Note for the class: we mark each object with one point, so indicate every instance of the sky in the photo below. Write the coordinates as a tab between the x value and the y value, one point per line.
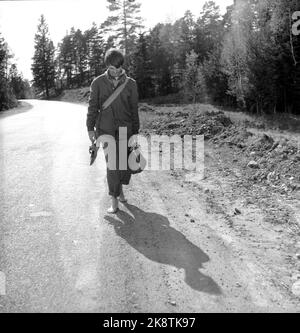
19	20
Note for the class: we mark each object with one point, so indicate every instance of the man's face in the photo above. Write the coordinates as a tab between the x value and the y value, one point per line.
115	72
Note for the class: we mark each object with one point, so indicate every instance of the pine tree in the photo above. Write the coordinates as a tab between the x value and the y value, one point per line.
81	57
142	69
235	51
261	58
193	81
95	50
125	22
16	82
187	35
160	61
109	43
208	30
3	55
7	99
20	87
65	63
216	80
43	67
288	56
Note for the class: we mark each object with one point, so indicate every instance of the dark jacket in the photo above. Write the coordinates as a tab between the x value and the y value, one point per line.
123	112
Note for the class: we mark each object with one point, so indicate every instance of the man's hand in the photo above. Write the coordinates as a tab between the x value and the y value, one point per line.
92	136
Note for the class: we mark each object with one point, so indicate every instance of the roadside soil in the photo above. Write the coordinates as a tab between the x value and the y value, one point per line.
249	199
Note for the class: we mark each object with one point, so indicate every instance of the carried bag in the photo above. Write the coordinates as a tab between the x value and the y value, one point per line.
136	159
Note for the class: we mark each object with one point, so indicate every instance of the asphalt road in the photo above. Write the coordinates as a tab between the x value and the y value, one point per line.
61	252
50	239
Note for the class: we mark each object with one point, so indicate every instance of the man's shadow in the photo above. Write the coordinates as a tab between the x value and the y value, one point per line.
152	236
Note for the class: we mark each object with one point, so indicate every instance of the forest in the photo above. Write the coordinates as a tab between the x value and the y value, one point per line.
12	84
248	58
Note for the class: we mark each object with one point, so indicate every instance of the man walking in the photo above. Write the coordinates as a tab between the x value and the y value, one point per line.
121	113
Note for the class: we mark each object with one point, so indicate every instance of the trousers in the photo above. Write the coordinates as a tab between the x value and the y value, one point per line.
118	176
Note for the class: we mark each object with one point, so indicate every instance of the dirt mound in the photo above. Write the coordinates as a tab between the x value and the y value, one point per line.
233	136
144	107
276	163
208	124
279	164
262	158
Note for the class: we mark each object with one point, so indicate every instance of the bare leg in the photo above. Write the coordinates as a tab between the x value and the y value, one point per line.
122	196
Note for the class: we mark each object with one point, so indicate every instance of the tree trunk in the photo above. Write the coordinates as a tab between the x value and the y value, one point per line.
46	87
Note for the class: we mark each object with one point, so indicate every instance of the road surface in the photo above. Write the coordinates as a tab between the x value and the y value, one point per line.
61	252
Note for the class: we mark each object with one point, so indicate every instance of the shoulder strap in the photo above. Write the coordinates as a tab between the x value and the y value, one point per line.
115	94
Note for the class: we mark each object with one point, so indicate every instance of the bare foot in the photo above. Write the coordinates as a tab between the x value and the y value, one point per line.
114	206
111	210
